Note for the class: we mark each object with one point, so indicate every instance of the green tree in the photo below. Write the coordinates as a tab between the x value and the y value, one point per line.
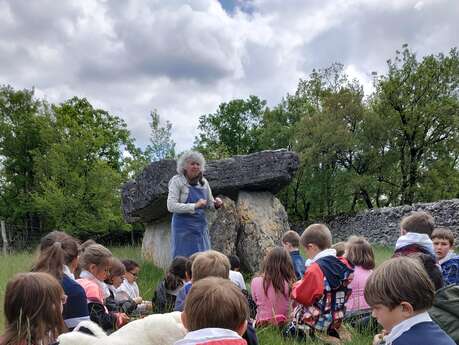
419	100
161	144
80	174
232	130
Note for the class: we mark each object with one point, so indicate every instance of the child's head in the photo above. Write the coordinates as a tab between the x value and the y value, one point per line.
315	238
360	253
431	268
117	272
210	264
177	273
277	268
443	241
132	270
96	259
397	290
340	248
417	221
235	263
33	309
225	306
56	250
291	240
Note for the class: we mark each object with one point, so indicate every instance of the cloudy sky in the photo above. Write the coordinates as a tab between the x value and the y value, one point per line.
183	58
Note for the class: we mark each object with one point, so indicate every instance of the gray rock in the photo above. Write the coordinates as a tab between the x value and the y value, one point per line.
263	221
223	227
382	225
156	242
145	198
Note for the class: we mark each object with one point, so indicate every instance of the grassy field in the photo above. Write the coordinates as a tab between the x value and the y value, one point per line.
148	279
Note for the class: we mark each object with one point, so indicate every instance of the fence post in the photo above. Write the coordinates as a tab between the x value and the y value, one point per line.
4	238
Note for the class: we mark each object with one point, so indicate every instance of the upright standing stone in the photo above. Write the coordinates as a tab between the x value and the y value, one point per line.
263	221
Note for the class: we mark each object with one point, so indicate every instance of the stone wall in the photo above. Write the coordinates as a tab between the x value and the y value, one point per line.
381	225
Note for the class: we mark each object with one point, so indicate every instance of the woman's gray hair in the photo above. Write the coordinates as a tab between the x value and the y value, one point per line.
190	156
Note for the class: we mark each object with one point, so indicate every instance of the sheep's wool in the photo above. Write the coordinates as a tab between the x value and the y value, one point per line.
156	329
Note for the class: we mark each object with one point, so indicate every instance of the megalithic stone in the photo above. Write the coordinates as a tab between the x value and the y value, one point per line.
144	199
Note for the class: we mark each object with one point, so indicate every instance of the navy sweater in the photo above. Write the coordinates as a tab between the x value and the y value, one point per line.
424	333
76	308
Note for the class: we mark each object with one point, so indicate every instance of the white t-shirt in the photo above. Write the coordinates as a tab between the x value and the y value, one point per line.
238	279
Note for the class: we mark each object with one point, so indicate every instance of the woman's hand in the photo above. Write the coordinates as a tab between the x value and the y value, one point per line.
201	203
218	202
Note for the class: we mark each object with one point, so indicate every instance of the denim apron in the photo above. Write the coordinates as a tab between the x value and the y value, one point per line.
189	231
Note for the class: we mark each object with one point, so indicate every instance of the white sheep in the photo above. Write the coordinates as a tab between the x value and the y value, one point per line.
156	329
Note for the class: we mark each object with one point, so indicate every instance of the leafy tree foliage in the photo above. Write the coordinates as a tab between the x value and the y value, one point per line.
161	144
232	130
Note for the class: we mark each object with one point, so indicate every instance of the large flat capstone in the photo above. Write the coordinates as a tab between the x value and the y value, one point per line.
144	199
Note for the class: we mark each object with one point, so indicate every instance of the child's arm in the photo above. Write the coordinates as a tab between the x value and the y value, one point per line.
310	288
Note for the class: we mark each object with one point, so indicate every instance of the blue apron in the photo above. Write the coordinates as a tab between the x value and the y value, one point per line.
189	231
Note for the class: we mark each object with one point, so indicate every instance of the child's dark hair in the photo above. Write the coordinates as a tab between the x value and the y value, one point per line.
176	273
277	268
431	268
117	269
130	265
418	221
235	263
56	250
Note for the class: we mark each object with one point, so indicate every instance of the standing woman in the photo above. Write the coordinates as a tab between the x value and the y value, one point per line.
189	195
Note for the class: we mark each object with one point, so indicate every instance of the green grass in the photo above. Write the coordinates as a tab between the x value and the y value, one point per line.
149	278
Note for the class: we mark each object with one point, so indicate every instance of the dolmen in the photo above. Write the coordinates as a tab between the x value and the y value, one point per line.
251	221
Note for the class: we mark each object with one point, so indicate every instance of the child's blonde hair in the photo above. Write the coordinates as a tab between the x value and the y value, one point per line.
95	254
210	264
215	302
291	237
32	309
397	280
340	248
317	234
360	253
418	221
443	234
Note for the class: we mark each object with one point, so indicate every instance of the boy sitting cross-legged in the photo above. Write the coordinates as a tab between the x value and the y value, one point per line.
323	291
215	313
443	242
400	292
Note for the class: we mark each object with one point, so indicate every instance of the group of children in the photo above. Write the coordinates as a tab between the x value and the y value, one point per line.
305	298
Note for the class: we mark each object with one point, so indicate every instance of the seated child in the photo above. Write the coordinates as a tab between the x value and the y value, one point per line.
323	291
359	254
95	262
33	309
211	263
183	291
415	231
221	320
400	292
237	278
443	242
271	289
291	242
235	275
113	282
340	248
129	288
167	290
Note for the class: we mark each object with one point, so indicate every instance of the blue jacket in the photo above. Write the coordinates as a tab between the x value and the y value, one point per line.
298	263
425	333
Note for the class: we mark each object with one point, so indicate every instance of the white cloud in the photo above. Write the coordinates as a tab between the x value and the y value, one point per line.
183	58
